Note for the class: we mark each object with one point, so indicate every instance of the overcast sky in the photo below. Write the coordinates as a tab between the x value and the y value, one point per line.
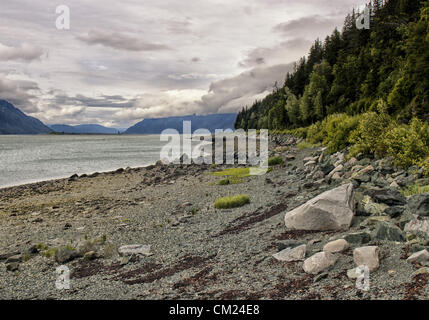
122	61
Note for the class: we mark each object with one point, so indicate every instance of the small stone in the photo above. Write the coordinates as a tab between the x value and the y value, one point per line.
13	266
337	169
419	257
327	168
33	250
318	175
15	258
336	176
339	245
291	254
394	184
289	244
353	274
366	170
358	237
419	225
124	260
319	262
85	246
67	226
356	168
135	249
423	270
389	232
351	162
362	178
64	255
91	255
394	211
389	196
320	277
391	272
310	163
419	204
367	256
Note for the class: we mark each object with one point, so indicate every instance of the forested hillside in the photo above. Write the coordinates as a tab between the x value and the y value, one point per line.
353	71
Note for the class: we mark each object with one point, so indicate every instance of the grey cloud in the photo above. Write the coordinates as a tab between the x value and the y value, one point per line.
229	94
105	101
19	93
24	52
303	25
285	52
119	41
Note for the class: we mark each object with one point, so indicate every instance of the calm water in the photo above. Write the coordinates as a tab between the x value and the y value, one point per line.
25	159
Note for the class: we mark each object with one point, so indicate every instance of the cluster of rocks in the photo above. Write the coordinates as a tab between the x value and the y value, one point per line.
368	196
86	250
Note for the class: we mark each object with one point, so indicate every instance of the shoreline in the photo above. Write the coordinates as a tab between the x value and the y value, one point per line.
58	179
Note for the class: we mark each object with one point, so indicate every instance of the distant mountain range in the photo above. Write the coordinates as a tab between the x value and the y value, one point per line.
83	128
210	122
14	121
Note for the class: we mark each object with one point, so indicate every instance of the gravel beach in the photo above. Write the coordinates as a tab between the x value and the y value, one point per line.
200	252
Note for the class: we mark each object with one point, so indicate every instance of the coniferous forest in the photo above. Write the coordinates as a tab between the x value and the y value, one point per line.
356	77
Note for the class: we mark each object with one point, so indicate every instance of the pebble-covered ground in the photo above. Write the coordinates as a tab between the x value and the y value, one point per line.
197	251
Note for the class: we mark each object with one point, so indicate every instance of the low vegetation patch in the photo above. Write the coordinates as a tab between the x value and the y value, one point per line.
415	189
232	175
273	161
233	172
228	181
305	145
373	132
232	202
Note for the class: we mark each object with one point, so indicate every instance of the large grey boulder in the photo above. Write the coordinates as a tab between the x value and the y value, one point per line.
331	210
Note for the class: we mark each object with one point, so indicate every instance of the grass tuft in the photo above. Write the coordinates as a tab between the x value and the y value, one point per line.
415	189
232	202
306	145
273	161
232	172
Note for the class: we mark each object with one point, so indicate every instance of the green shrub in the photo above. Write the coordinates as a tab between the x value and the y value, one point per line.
406	144
315	133
380	135
334	132
232	202
273	161
337	129
368	136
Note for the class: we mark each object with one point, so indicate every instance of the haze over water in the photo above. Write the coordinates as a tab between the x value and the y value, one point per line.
31	158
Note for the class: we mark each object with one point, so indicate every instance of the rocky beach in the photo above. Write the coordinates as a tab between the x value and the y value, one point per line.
155	233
